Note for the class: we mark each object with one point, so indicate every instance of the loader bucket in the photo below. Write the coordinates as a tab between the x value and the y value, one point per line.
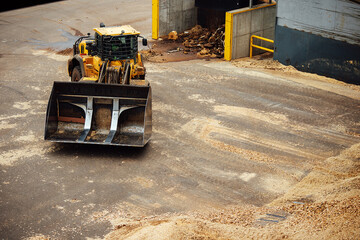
95	113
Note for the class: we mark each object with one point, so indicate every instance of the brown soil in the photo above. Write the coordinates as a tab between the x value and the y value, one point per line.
77	32
166	51
194	43
65	52
323	205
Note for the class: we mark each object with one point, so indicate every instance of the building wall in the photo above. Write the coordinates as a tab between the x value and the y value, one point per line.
173	15
320	36
240	24
335	19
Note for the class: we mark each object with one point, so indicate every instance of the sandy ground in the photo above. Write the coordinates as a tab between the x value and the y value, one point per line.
241	149
320	202
323	205
265	63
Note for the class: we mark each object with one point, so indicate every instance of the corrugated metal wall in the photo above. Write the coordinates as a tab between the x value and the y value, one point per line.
335	19
320	36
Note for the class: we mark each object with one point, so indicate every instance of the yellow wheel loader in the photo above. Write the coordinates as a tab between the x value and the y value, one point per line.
108	100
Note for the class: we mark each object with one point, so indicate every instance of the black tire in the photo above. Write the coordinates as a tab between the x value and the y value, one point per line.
76	74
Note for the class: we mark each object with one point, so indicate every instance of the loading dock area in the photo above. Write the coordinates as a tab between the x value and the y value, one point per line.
317	37
237	149
240	23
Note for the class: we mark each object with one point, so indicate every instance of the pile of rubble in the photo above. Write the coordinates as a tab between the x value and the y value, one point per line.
202	41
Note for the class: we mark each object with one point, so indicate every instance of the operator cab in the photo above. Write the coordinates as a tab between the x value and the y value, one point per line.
115	43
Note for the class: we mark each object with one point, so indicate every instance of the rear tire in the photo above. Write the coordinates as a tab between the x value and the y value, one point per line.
76	74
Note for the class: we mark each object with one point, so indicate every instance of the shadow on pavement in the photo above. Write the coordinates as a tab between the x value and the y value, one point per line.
99	151
11	5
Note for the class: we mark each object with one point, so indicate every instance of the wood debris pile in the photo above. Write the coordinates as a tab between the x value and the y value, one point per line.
204	42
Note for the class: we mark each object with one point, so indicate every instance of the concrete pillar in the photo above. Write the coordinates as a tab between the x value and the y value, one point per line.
173	15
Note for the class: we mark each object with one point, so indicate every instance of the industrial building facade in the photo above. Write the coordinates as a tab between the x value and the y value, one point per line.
319	36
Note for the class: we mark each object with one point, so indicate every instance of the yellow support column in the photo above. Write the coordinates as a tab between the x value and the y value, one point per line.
155	19
228	36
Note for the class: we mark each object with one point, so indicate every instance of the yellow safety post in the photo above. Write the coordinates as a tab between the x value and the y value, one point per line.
155	19
228	36
259	47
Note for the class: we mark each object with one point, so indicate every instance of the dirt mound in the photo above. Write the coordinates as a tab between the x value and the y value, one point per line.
323	205
197	42
166	51
65	52
262	61
204	42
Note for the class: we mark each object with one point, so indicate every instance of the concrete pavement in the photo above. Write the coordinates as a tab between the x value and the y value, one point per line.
222	135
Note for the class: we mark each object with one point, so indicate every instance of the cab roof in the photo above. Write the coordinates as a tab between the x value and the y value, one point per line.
117	30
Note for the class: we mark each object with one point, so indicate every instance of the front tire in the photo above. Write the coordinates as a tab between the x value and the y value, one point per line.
76	74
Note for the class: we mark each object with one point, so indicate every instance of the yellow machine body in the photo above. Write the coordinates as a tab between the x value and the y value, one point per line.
108	100
92	63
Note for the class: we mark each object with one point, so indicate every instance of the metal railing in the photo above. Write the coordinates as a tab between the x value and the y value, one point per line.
259	47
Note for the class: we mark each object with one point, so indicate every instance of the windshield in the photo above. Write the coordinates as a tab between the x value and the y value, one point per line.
118	47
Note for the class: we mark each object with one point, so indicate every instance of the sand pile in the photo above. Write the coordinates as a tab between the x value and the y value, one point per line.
323	205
